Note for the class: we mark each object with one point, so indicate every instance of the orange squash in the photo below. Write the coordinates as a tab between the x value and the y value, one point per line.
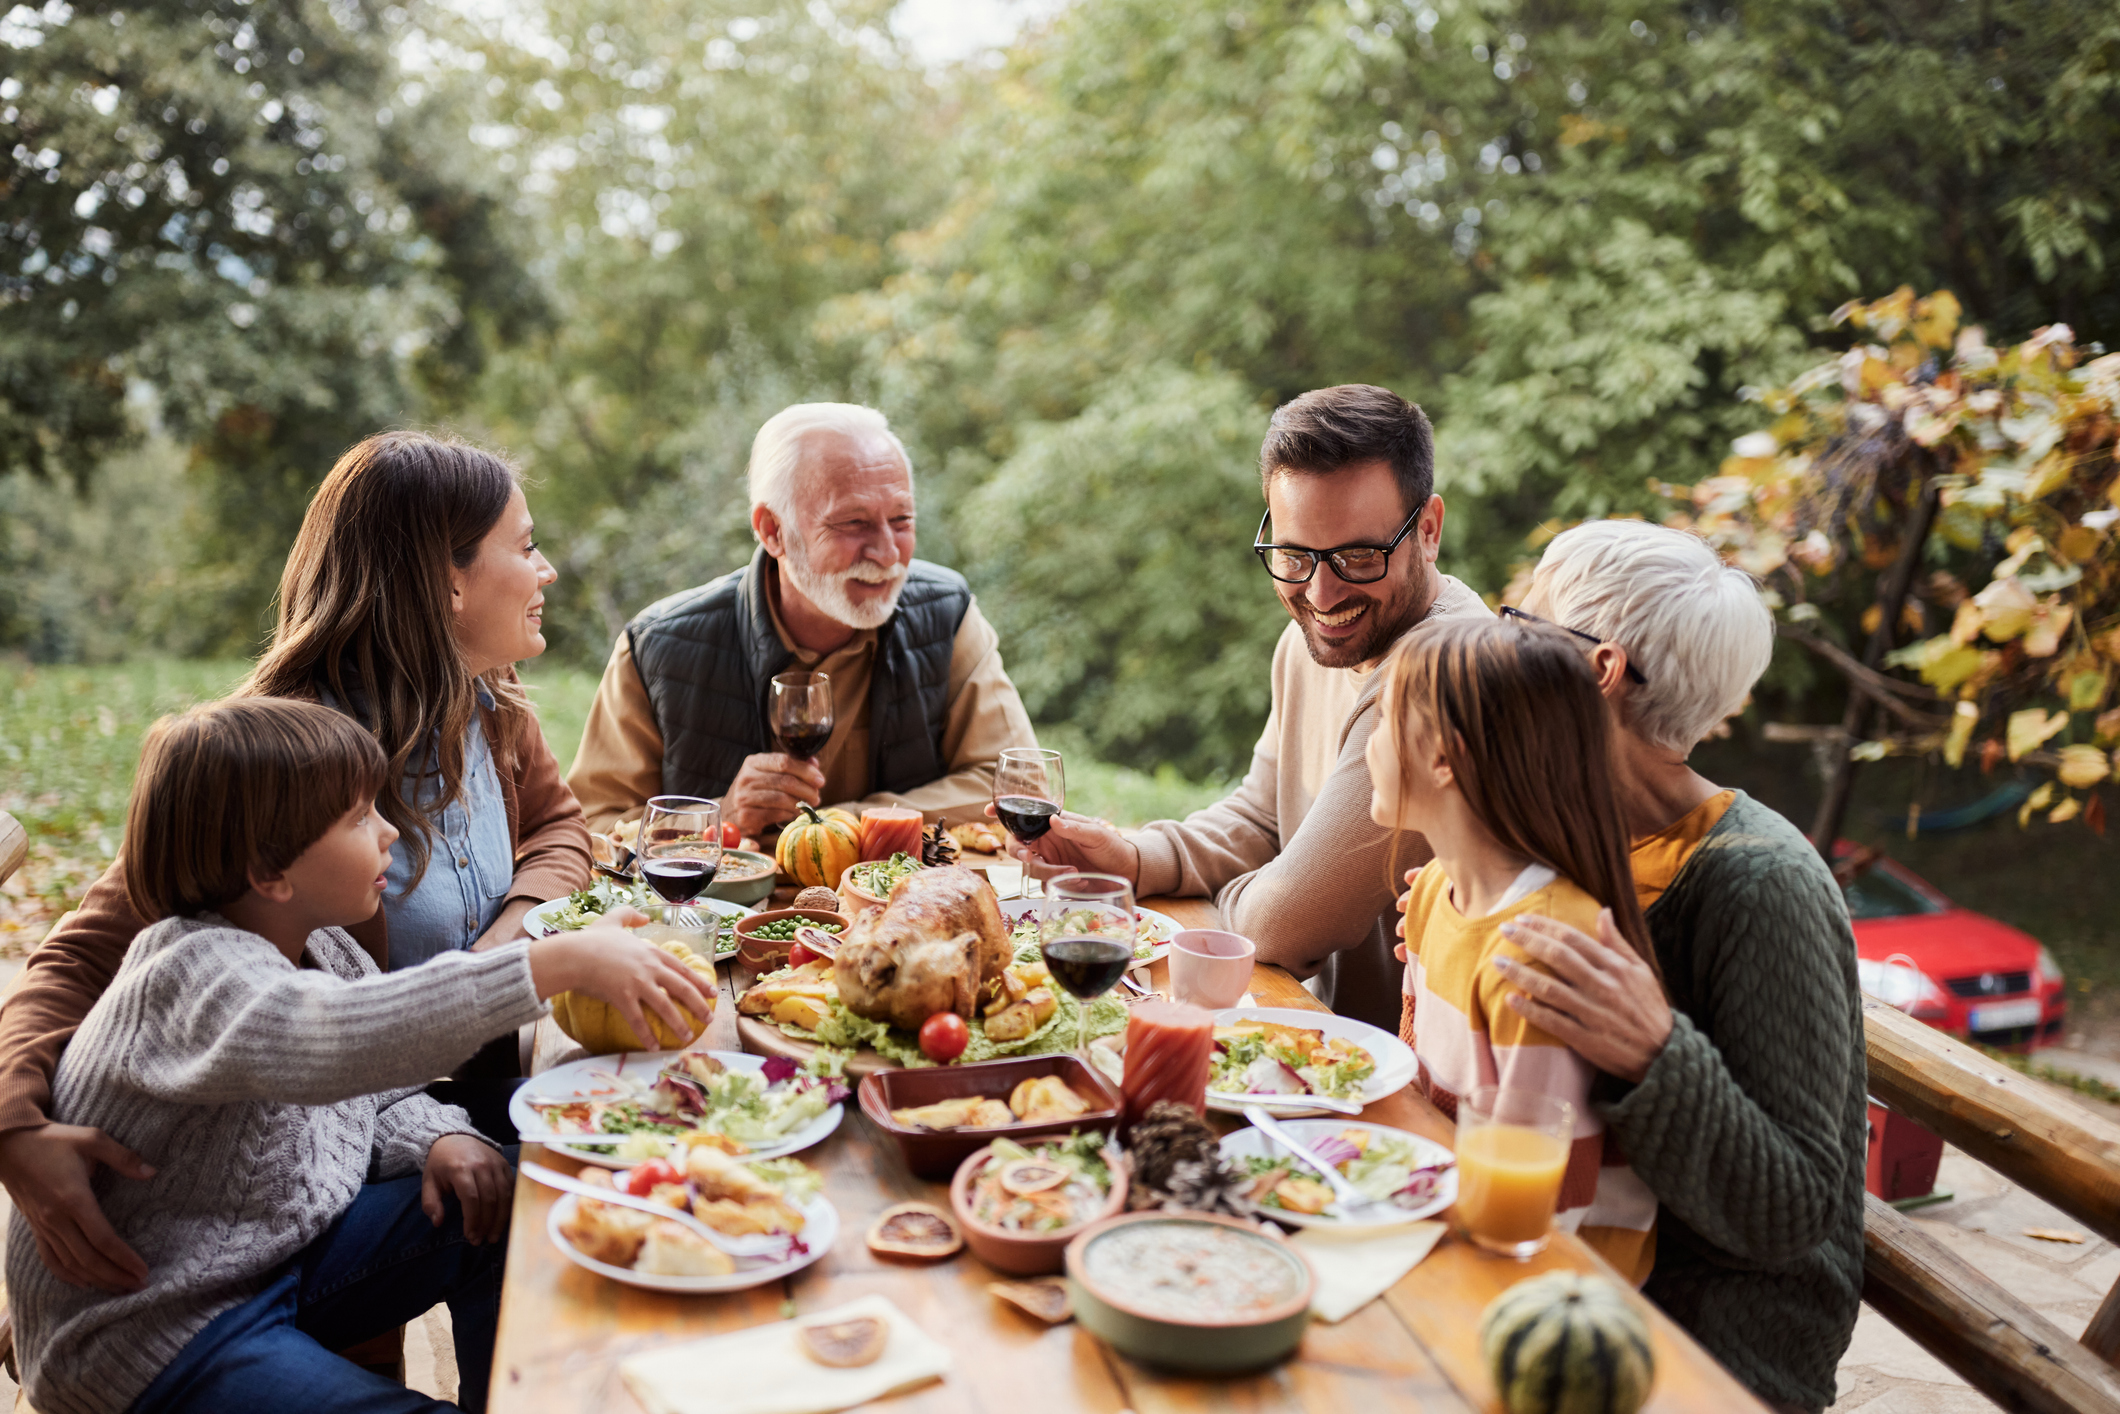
818	848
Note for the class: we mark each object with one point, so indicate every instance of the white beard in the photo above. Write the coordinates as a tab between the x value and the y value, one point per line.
830	594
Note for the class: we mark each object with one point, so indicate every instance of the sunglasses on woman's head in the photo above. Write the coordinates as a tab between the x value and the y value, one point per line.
1510	611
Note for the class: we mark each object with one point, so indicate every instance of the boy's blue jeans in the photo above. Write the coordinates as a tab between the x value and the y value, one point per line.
380	1265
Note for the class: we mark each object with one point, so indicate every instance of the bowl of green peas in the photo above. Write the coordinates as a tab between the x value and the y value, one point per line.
763	939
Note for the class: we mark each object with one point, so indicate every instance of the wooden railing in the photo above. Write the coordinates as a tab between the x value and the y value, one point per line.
2035	1137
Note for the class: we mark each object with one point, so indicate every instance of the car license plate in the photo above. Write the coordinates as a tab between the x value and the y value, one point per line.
2002	1016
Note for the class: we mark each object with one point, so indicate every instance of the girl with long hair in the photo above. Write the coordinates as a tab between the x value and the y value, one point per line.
412	590
1493	736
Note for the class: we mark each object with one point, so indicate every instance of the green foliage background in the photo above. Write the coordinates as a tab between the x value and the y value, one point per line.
613	238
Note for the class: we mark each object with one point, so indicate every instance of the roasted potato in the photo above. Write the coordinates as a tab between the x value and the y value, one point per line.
807	1012
1011	1023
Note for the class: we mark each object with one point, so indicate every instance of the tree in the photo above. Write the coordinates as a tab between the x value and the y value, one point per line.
1953	502
1114	547
1572	232
698	178
229	218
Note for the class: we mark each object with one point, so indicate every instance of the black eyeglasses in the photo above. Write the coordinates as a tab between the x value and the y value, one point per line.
1356	564
1510	611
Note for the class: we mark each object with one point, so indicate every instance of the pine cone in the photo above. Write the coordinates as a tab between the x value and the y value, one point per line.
937	848
1207	1188
1177	1161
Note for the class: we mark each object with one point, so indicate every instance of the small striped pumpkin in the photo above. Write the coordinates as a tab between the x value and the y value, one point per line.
1564	1343
818	848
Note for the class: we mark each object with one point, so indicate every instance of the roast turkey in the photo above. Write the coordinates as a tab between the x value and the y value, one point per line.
937	944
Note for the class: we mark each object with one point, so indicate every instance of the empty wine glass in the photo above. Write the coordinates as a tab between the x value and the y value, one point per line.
1086	933
1030	788
680	850
799	713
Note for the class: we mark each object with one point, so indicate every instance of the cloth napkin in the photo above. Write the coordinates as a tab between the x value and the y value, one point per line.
764	1370
1357	1265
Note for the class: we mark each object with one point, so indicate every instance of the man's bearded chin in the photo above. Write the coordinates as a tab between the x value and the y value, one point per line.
829	592
1386	619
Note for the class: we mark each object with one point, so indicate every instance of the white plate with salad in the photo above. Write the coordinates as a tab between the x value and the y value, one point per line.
650	1103
1276	1055
1152	930
1416	1176
820	1229
585	906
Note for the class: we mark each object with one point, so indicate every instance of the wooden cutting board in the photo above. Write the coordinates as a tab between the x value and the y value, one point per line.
761	1037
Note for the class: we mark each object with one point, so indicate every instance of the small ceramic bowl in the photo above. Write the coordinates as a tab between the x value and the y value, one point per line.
770	954
744	891
1020	1253
1209	967
1140	1324
855	900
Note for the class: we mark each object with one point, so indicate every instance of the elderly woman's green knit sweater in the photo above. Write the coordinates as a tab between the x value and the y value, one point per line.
1750	1125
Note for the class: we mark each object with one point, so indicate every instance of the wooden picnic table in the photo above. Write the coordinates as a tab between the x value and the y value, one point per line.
563	1330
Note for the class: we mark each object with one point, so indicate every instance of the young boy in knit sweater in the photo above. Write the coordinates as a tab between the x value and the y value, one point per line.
1493	735
250	1052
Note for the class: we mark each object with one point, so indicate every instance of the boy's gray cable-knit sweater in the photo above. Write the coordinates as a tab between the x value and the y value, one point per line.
258	1090
1751	1126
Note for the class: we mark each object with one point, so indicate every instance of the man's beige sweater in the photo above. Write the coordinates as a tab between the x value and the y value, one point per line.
1292	859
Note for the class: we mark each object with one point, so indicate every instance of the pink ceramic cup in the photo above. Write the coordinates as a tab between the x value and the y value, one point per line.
1209	968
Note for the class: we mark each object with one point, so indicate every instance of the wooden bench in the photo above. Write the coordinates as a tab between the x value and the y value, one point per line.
2033	1136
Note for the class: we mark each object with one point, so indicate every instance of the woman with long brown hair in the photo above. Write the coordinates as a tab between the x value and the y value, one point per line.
1494	737
413	589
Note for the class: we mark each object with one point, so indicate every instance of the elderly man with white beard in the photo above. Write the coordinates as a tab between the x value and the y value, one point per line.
922	707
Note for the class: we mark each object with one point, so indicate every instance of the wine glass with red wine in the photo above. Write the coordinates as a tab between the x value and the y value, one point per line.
799	713
1030	787
1086	933
680	850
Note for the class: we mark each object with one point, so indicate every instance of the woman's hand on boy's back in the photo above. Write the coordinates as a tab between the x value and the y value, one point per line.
47	1168
630	973
480	1178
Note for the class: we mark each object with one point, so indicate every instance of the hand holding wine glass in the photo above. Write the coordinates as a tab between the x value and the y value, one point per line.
1086	932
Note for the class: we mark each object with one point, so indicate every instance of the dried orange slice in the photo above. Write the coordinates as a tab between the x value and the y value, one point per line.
845	1344
1027	1176
915	1230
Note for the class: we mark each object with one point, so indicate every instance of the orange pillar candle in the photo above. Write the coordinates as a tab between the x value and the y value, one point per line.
889	830
1169	1049
1509	1180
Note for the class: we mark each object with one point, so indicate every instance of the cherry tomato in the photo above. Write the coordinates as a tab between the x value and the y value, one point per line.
645	1177
800	953
731	837
944	1036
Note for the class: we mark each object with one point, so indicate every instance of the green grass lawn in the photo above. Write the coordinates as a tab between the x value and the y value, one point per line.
70	738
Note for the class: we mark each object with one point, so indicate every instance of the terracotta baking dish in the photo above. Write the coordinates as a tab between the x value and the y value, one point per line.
934	1153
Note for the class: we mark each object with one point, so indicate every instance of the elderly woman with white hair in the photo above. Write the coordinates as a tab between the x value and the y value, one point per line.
922	707
1739	1097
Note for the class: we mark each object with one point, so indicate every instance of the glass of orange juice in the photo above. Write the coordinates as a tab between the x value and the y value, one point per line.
1512	1147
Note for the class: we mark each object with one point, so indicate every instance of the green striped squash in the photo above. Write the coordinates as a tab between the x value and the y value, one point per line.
1567	1344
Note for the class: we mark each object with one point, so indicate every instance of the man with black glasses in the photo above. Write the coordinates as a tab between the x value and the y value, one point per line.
1291	858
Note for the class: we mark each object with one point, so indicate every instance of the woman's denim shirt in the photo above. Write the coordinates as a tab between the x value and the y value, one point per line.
470	862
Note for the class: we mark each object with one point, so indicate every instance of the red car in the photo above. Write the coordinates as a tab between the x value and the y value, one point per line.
1958	970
